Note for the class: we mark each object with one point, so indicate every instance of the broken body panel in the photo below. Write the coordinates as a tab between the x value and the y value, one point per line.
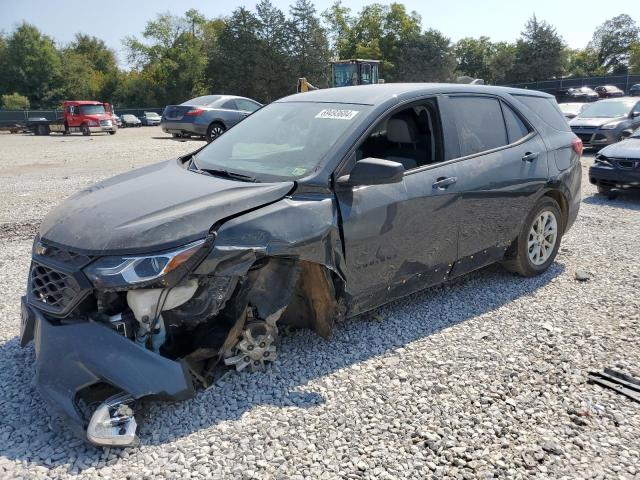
215	266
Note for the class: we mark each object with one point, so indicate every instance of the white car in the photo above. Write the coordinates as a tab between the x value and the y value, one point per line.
572	110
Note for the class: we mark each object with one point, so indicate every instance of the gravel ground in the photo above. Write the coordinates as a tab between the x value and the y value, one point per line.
484	377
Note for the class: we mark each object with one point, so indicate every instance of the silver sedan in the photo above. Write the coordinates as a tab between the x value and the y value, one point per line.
208	116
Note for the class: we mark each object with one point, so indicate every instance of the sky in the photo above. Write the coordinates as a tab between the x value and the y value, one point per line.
500	20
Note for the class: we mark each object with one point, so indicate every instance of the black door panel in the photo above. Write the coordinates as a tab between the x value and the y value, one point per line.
398	238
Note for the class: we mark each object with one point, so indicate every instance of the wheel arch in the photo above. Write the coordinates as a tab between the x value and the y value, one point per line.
562	202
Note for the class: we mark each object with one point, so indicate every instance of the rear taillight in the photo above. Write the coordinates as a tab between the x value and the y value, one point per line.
576	144
194	112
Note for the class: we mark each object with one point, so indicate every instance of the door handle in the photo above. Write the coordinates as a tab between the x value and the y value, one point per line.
530	156
444	182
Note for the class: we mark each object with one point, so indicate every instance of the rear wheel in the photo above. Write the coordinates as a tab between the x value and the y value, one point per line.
85	130
538	243
214	131
112	132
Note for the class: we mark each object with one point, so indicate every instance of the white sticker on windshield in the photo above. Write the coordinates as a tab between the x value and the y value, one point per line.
337	114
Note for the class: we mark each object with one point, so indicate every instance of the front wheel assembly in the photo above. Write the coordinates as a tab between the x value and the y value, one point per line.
256	347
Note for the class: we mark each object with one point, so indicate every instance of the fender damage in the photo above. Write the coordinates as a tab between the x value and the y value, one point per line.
274	266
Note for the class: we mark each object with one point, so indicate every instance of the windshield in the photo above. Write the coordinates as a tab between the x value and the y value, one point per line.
202	101
151	115
129	117
569	107
608	109
282	140
92	109
345	74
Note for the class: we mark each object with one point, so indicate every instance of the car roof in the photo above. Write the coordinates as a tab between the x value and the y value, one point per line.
381	93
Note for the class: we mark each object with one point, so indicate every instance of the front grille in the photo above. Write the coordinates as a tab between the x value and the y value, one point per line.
626	164
585	137
105	123
52	290
65	256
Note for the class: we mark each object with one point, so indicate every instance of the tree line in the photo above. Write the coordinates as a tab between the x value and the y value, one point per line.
260	53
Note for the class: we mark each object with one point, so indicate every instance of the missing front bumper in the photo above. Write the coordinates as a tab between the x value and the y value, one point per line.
73	357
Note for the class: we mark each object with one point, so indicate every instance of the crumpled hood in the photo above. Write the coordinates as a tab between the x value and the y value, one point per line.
151	208
592	122
629	148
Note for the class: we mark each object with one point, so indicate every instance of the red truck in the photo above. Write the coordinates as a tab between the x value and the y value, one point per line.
81	116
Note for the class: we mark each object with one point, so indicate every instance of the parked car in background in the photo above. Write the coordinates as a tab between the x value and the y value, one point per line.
634	91
572	110
129	120
318	207
607	121
150	119
577	94
617	166
609	91
116	119
208	116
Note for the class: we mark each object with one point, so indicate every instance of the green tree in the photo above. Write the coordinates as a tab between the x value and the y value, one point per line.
310	46
539	52
14	101
101	58
273	62
634	59
339	29
32	66
377	32
173	60
427	58
501	63
612	42
582	62
232	68
473	56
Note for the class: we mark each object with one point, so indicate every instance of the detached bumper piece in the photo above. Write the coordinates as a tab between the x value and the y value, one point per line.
618	382
73	357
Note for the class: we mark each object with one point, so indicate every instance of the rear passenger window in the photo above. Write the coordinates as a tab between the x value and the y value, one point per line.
516	128
230	104
480	124
547	109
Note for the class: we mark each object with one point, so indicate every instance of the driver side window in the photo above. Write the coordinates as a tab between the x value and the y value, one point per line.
411	136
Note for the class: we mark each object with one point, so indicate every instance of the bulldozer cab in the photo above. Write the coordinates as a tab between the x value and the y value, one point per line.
345	73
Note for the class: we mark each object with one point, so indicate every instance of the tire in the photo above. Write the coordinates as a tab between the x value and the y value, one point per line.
524	260
85	130
176	135
113	132
66	130
607	192
214	131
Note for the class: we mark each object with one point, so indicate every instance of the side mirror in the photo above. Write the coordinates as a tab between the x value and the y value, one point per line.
373	171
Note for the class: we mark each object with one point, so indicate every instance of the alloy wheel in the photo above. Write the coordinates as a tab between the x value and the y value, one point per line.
543	236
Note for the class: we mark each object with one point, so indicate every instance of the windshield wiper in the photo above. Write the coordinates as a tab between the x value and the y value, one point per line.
220	172
228	174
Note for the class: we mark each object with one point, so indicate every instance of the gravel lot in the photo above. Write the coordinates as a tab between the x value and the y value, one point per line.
484	377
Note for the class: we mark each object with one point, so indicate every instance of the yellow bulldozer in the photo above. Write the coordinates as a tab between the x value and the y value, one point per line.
345	73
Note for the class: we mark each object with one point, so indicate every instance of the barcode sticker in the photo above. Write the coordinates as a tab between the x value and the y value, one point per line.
337	114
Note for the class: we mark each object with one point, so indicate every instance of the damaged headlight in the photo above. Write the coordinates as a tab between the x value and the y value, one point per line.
122	271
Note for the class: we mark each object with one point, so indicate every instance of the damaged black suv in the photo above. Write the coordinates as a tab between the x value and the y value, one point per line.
317	207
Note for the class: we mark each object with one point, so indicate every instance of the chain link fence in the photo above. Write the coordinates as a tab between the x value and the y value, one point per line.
10	117
623	82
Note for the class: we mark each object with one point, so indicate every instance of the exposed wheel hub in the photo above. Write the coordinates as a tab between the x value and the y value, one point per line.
256	347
